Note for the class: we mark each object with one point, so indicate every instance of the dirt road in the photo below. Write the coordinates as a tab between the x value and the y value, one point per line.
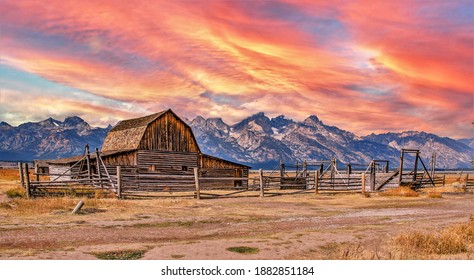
286	227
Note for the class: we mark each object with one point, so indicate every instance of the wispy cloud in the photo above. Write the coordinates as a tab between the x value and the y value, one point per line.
365	66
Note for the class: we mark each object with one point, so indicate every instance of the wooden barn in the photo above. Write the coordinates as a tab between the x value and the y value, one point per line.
161	143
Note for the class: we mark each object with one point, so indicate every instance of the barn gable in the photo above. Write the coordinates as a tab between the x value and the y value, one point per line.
163	131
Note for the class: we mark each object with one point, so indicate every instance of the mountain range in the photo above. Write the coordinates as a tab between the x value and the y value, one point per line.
258	141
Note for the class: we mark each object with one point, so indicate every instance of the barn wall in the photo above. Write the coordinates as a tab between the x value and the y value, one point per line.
213	162
127	159
168	133
216	167
167	162
59	169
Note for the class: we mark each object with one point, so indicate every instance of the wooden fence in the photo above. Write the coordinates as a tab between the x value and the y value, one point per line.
131	182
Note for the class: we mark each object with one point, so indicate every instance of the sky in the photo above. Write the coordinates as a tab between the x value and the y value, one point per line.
364	66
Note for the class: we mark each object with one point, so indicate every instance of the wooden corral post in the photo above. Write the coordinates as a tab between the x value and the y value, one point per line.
316	182
282	172
98	166
333	170
400	169
415	168
386	169
363	182
27	175
260	175
196	182
37	172
433	164
372	176
22	178
444	179
282	169
88	160
349	171
321	168
119	182
304	169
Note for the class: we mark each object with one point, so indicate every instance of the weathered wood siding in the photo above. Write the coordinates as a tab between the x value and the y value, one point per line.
169	133
126	158
206	161
158	162
57	170
216	167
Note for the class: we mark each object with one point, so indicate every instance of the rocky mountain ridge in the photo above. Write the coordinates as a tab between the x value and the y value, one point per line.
258	141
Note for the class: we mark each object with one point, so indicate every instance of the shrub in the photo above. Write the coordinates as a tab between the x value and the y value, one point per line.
400	191
120	255
243	250
452	240
16	193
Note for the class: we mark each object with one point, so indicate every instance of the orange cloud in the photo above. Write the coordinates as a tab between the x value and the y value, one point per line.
365	66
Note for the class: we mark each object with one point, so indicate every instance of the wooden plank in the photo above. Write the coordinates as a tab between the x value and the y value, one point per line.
260	175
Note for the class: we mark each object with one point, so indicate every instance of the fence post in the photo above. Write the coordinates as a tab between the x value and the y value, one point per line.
36	171
316	182
22	178
372	176
27	173
305	169
98	166
196	182
88	159
260	175
363	183
119	182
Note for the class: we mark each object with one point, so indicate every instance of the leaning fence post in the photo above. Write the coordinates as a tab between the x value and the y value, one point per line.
196	182
119	182
78	207
27	173
316	182
22	178
363	182
260	175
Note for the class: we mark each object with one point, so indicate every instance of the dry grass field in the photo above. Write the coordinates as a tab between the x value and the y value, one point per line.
399	224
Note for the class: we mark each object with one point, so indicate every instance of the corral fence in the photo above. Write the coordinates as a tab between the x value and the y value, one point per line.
131	182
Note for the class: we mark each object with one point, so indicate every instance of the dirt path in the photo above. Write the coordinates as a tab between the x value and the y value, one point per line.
280	227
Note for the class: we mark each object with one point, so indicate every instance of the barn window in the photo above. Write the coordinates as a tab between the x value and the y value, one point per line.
184	168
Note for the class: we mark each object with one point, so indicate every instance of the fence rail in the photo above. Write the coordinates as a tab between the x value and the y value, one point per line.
133	182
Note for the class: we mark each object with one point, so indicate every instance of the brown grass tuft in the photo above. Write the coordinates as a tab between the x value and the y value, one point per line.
452	240
400	191
15	193
37	206
435	195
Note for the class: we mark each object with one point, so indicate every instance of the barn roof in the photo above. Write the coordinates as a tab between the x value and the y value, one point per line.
137	122
128	133
224	160
75	159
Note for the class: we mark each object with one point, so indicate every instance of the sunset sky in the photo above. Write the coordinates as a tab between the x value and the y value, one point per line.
364	66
